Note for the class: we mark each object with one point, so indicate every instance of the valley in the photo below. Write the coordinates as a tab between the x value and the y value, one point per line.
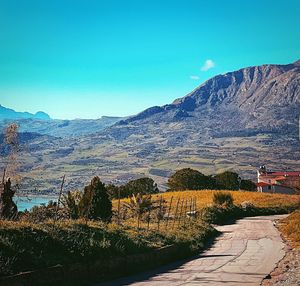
235	121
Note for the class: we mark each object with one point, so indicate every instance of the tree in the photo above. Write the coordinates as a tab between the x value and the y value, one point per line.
113	191
228	180
95	202
141	186
189	179
8	209
248	185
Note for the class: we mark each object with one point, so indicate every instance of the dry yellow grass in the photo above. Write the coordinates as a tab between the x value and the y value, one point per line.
290	227
205	197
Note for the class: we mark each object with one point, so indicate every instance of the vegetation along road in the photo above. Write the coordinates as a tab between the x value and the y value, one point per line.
243	254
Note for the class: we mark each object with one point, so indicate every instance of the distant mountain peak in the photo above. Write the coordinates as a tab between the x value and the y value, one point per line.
41	115
8	113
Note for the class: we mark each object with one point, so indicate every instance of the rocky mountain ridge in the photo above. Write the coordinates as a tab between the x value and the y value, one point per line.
265	97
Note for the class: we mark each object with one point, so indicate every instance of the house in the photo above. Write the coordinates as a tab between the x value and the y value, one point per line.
282	182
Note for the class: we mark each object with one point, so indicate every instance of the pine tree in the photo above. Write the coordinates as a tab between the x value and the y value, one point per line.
95	202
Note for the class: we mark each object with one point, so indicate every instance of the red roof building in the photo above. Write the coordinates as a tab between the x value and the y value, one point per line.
286	182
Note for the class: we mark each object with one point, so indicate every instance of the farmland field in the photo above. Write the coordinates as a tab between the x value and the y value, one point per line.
205	198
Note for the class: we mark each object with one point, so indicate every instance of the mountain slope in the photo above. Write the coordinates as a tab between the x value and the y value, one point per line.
263	97
62	128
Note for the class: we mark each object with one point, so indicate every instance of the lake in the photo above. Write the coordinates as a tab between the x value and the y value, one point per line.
23	202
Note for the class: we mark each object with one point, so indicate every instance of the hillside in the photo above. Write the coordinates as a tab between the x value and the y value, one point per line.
62	128
256	98
238	121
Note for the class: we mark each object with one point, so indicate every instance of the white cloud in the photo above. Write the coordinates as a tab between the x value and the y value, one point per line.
194	77
209	64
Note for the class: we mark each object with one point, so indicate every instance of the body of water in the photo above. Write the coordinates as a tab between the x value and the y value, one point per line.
24	202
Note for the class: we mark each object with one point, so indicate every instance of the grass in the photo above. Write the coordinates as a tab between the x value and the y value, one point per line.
25	246
290	227
204	198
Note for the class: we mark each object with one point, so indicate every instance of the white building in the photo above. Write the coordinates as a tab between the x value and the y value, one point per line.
281	182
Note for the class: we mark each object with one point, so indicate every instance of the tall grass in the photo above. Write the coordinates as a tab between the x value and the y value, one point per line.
204	198
290	227
26	246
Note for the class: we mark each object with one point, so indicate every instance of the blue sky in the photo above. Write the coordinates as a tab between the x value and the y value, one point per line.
85	59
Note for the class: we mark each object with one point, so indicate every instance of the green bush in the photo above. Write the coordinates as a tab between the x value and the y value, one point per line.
219	215
223	199
248	185
43	213
71	203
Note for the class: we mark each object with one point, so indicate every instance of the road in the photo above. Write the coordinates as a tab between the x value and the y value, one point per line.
244	254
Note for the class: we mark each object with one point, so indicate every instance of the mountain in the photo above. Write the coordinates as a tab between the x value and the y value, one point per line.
7	113
235	121
41	123
259	98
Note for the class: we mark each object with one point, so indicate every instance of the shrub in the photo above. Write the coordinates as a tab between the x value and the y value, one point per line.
95	202
71	203
223	199
43	213
248	185
26	246
138	204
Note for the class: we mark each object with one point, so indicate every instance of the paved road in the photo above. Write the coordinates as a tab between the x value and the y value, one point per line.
243	255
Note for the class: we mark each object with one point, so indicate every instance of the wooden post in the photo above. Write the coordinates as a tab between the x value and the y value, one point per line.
185	209
180	214
119	205
191	208
159	214
175	216
138	221
59	197
149	216
169	212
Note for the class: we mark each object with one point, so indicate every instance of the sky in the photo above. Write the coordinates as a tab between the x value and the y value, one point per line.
89	58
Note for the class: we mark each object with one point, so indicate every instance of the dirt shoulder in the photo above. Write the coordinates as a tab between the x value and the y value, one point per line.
287	272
